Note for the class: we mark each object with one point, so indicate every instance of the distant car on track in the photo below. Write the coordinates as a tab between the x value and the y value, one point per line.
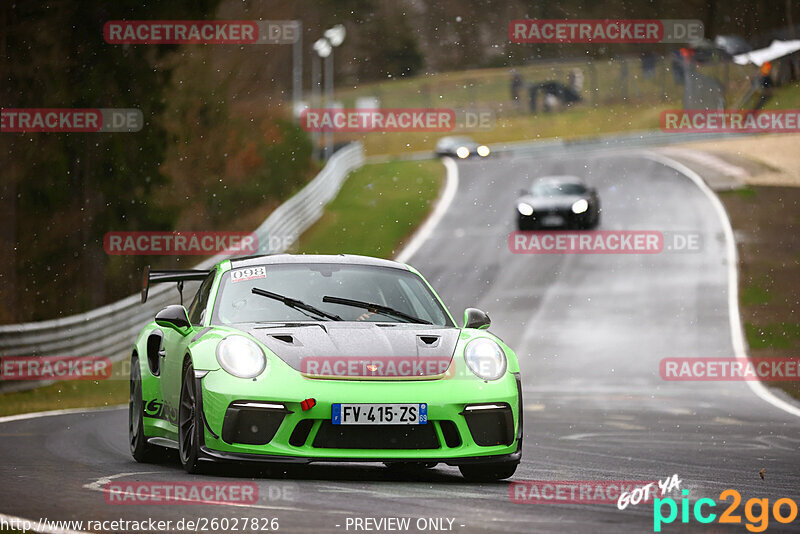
287	358
461	147
558	201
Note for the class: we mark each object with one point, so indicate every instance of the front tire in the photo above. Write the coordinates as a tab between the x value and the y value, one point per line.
189	427
488	472
141	451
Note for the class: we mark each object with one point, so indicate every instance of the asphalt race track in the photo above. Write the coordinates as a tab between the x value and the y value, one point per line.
589	331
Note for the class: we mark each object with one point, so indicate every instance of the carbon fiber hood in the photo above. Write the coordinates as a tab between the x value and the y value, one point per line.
347	341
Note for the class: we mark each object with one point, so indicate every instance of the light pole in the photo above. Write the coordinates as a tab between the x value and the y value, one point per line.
297	70
322	49
334	36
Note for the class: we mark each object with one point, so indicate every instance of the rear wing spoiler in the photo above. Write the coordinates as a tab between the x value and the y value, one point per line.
179	276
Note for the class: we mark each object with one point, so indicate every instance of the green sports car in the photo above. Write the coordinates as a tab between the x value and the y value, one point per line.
313	358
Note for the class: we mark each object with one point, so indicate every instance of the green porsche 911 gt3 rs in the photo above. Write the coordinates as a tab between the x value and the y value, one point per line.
304	358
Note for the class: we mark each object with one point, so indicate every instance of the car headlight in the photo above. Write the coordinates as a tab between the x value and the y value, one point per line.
483	151
485	358
580	206
241	357
462	152
525	208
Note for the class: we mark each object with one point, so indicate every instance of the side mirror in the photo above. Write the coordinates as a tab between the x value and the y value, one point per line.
523	192
174	316
475	318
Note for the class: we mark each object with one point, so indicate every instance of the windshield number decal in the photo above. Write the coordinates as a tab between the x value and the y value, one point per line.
251	273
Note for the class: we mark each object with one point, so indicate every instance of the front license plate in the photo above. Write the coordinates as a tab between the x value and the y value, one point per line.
379	414
553	220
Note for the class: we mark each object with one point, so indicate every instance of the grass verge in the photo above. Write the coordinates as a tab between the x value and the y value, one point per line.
570	123
765	219
379	206
70	394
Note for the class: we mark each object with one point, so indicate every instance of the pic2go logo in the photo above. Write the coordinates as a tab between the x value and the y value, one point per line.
702	513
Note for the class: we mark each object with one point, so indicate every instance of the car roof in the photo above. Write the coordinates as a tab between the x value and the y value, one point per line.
456	139
558	180
299	259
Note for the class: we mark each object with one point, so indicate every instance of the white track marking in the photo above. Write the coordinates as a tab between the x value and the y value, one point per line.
737	336
100	483
441	208
709	160
36	415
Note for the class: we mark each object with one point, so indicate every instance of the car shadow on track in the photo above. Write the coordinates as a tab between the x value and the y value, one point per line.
349	472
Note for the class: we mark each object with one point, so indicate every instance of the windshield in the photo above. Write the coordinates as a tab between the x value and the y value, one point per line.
556	189
384	286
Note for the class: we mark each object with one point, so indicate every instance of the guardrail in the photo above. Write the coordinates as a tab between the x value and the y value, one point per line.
109	331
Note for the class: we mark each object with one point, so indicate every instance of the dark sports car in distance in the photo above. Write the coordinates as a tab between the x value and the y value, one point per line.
558	202
461	147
